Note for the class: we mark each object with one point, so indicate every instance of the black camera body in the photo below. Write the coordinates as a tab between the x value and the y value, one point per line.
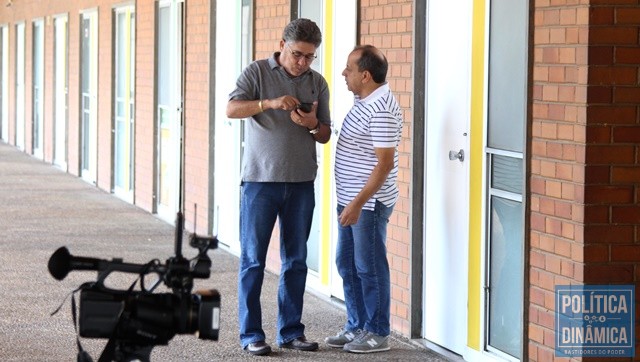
136	320
149	319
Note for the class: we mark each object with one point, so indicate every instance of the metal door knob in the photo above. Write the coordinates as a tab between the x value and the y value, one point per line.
453	155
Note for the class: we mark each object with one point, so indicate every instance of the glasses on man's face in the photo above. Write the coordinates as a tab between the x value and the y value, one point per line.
299	55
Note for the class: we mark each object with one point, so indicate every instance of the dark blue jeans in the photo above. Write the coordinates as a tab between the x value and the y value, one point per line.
261	204
361	258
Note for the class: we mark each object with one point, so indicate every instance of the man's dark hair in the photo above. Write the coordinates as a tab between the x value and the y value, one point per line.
373	61
303	30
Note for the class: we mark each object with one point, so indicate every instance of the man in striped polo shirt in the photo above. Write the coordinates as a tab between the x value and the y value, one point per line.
366	168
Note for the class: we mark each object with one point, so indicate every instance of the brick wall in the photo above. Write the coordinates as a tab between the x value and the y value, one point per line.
198	115
105	94
557	162
388	25
145	154
271	16
584	154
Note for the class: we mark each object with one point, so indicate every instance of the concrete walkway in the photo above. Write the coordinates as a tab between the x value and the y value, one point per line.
43	208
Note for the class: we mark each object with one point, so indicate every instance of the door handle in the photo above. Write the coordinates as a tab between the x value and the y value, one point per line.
453	155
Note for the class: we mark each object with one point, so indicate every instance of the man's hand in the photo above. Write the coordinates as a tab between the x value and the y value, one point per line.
350	215
286	103
305	119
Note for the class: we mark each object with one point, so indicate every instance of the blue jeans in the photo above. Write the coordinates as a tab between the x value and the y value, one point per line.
261	204
361	258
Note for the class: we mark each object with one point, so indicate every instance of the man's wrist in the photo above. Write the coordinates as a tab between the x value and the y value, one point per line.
316	129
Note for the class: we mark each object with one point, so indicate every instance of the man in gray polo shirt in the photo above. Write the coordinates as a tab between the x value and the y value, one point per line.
278	173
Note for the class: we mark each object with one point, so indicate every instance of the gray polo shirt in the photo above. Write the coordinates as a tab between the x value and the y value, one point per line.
276	149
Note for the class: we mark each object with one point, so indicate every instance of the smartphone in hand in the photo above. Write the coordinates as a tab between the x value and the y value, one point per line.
305	107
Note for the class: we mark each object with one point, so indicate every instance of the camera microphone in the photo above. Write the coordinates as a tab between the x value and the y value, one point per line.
62	262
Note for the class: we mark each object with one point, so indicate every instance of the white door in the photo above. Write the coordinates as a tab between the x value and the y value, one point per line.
60	95
233	48
344	36
169	108
447	180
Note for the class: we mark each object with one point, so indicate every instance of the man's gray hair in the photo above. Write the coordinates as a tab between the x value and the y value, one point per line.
303	30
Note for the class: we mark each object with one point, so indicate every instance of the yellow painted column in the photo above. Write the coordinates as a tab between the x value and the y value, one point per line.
474	321
327	213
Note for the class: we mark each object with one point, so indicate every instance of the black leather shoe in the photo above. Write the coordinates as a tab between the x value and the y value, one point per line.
259	348
301	344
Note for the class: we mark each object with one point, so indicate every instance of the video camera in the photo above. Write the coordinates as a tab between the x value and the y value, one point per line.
137	320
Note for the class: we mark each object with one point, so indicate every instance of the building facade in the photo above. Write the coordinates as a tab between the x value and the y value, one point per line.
519	160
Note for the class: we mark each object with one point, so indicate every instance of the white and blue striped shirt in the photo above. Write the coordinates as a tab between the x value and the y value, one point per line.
372	122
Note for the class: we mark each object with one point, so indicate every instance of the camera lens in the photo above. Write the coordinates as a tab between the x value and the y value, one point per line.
208	314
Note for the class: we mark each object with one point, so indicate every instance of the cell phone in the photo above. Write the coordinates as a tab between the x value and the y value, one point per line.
305	107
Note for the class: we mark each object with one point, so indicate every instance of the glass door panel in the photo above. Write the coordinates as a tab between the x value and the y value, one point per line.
234	50
168	158
20	86
88	100
38	91
124	103
506	276
61	92
169	108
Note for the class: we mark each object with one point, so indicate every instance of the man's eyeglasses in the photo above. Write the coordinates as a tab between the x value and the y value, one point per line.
299	55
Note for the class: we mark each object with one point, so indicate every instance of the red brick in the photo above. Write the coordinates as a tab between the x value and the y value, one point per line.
617	154
599	134
612	2
609	194
601	16
612	114
600	55
628	214
613	35
627	95
552	264
567	268
609	234
563	210
627	55
613	273
626	175
625	253
613	75
629	15
600	94
553	227
596	214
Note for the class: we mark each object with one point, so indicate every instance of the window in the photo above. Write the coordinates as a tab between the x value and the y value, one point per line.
507	115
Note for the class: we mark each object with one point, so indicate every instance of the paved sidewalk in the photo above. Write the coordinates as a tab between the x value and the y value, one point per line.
43	208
